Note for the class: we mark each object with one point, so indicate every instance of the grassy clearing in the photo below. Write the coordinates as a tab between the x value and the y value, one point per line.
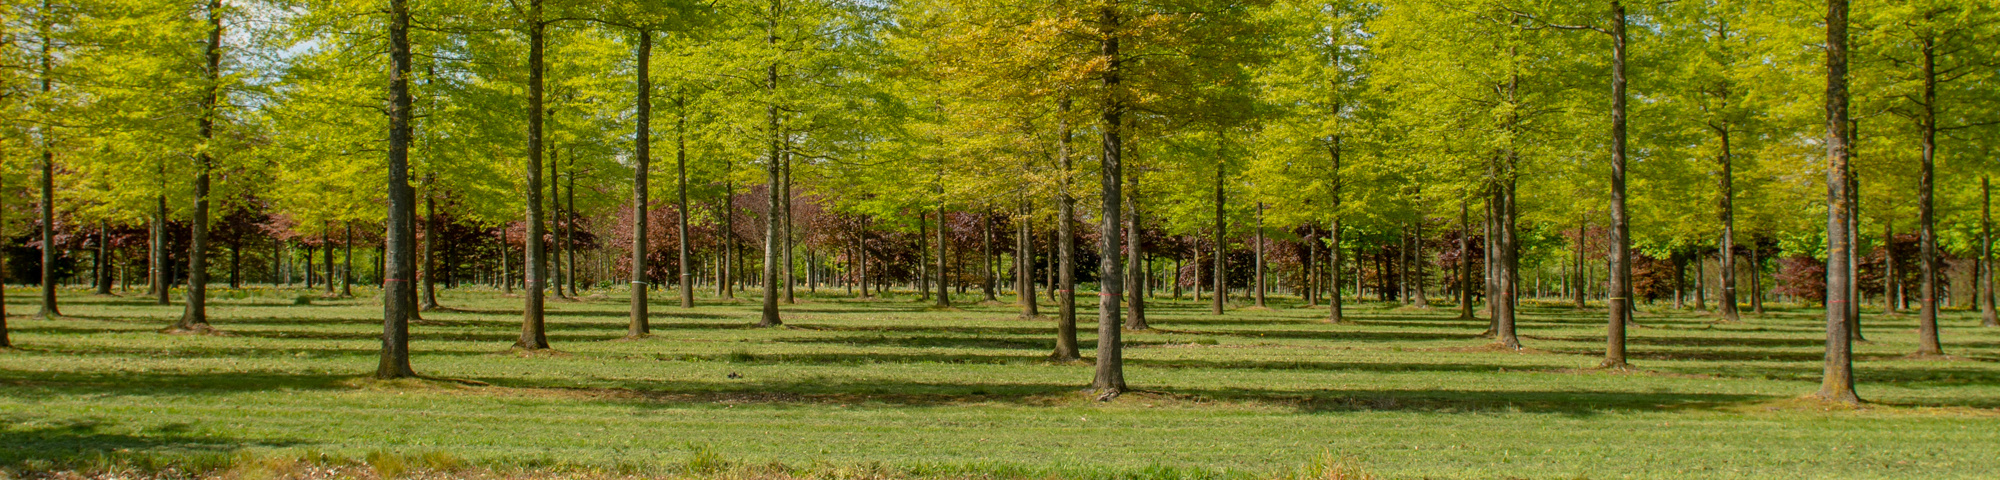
890	389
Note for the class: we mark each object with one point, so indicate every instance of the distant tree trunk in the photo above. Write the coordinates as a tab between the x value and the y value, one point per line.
1024	257
1726	255
196	316
399	260
725	272
1417	262
569	227
1135	256
1309	272
1927	259
1837	382
347	264
790	248
326	247
1065	289
943	276
104	260
1260	255
5	342
1985	275
157	253
1110	378
1464	261
988	272
680	166
1756	280
534	335
1621	248
1700	283
48	200
1221	229
772	170
642	164
429	274
861	251
506	265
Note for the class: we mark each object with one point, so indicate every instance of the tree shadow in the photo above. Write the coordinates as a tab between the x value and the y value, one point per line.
44	445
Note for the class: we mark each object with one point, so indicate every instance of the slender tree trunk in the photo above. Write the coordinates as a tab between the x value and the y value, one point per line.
943	274
1110	378
1726	255
791	282
1985	275
428	277
347	263
642	164
1417	262
1837	382
399	261
989	272
534	335
1065	289
569	227
506	265
726	271
1221	246
157	253
1024	253
1464	261
196	316
103	275
1927	259
1260	255
1621	254
1333	250
681	169
772	171
326	249
47	204
1135	256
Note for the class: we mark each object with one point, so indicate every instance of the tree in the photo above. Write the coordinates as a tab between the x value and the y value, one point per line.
1837	382
397	291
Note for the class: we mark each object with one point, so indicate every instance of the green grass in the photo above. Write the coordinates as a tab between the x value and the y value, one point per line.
892	386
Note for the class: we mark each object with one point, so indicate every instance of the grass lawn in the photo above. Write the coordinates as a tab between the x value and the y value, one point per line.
855	388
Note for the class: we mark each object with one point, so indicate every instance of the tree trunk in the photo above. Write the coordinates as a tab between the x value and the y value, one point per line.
534	335
1465	260
1927	259
1110	378
791	268
196	316
1221	246
1065	289
1985	274
1260	255
1726	253
1621	251
1024	274
429	275
1417	262
569	227
943	274
1135	256
772	171
1333	251
988	270
642	164
1837	381
680	166
157	253
725	272
326	249
47	204
347	264
400	262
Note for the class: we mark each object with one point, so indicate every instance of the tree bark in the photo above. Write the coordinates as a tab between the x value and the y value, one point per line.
1110	378
196	316
1333	251
1927	259
772	171
791	268
534	335
1024	256
400	261
1464	261
642	164
681	169
1620	304
1221	246
47	204
988	273
1986	314
1837	380
1726	254
1065	288
943	274
347	263
1135	256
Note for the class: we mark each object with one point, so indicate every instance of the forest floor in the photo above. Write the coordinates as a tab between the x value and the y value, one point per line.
890	388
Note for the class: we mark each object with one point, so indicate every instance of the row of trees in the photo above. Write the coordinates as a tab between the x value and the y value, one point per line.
1484	139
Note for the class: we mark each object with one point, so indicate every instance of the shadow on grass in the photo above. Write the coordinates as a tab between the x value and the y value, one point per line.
80	444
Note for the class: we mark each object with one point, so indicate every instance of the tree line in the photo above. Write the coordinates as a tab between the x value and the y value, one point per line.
1478	151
